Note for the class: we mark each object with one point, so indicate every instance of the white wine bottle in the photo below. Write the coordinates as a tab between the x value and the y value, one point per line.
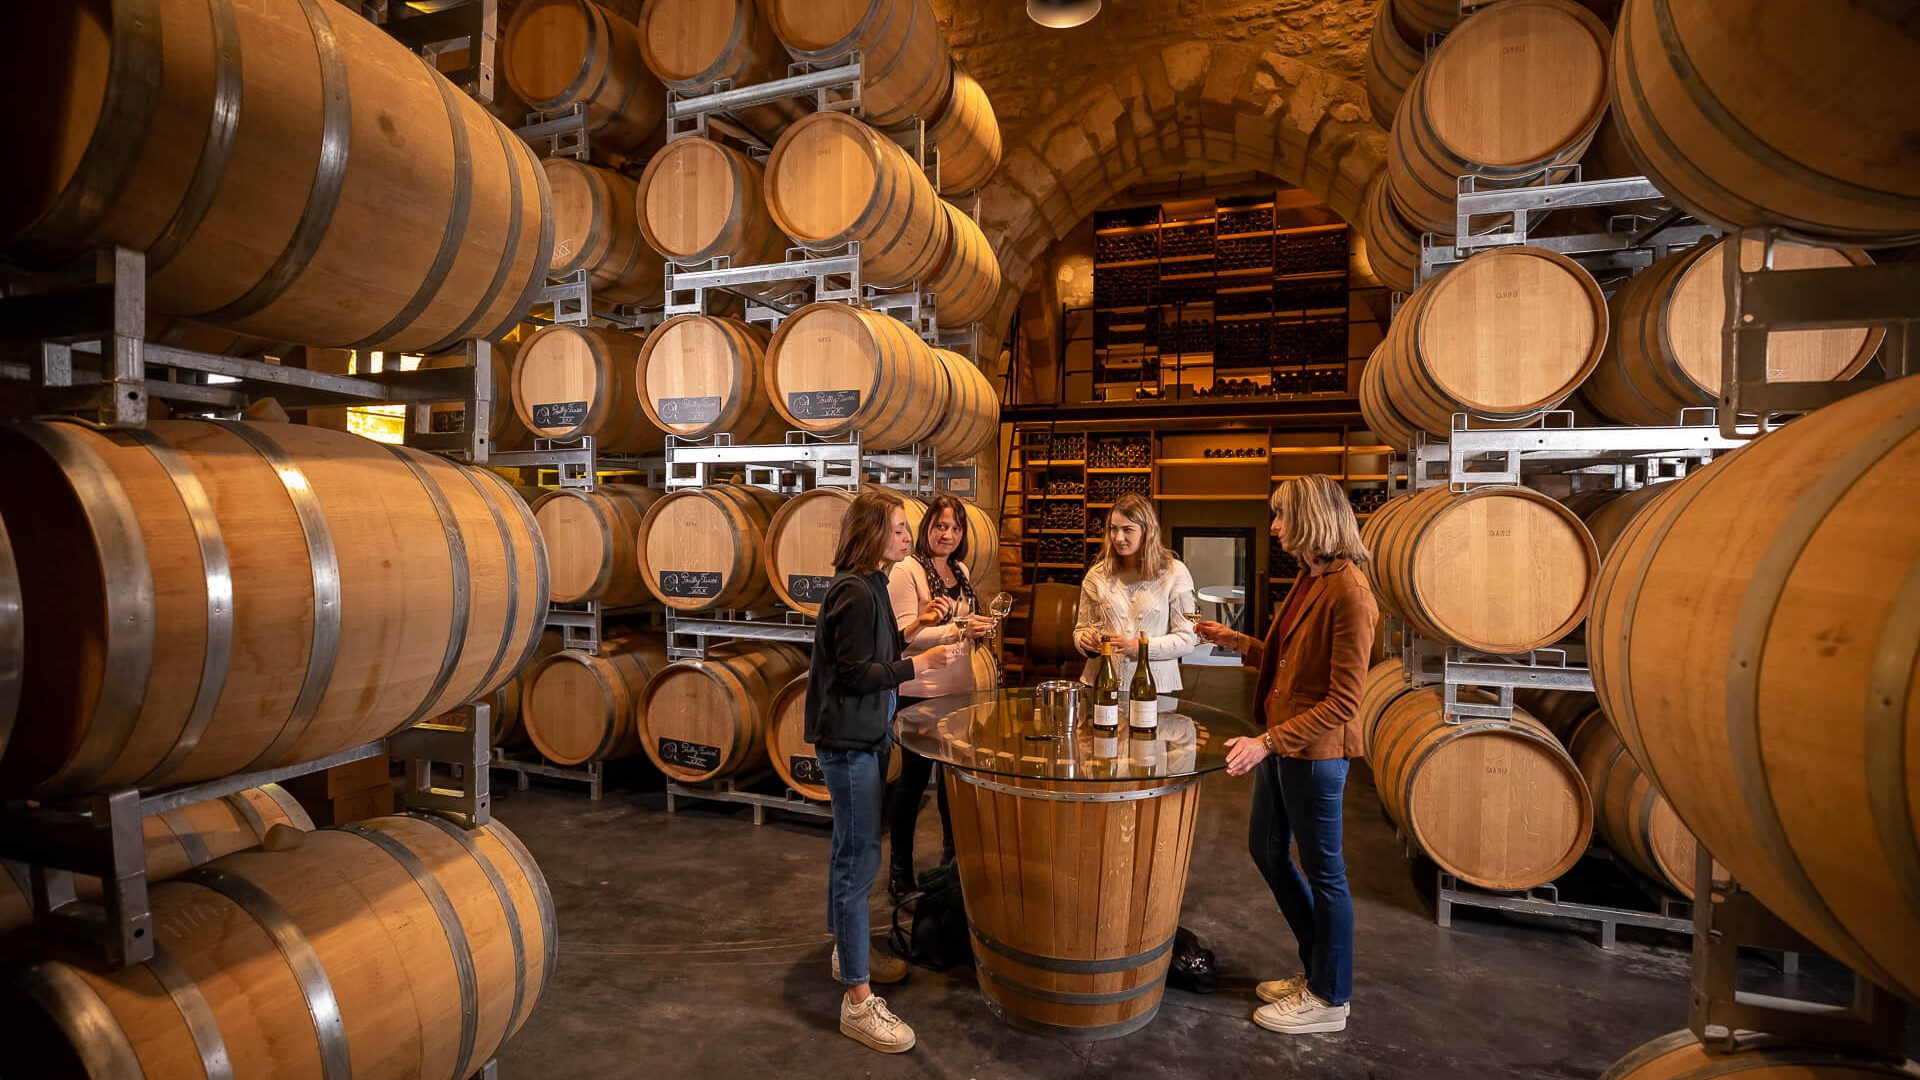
1106	691
1143	701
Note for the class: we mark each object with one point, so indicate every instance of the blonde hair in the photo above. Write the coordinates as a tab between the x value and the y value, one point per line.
1320	521
1154	557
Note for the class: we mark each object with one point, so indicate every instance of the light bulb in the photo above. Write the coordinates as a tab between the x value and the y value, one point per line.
1062	14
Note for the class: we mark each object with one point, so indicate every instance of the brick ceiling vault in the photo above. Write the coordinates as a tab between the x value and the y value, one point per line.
1198	105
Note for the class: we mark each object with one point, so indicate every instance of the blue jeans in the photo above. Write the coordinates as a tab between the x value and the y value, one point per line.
1296	801
856	783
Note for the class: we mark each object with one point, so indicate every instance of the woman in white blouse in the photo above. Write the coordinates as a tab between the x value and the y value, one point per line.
934	604
1136	586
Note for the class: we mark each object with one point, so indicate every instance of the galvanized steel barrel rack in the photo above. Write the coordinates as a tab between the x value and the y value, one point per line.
100	835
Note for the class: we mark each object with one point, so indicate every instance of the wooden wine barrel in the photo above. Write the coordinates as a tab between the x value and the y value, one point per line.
558	53
704	719
1056	610
791	755
1666	348
1100	972
1500	98
1423	17
693	44
398	946
1730	109
1774	585
1680	1056
570	381
833	368
967	133
267	594
905	66
968	280
1393	246
1497	569
983	551
1383	418
972	419
13	636
1393	59
1632	817
700	375
175	841
701	200
700	548
1502	336
591	554
1606	513
505	429
584	707
291	172
507	728
802	538
1386	683
832	179
596	228
1498	804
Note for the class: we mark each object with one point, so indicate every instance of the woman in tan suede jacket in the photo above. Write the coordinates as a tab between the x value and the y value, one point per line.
1312	666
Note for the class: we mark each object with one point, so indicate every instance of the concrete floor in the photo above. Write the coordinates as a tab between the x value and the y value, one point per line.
692	945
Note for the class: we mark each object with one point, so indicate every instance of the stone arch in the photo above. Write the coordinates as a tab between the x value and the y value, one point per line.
1195	104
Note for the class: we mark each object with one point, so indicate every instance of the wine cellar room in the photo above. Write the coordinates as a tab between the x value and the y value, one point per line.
1017	538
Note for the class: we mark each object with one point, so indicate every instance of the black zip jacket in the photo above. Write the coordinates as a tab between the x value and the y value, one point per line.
856	665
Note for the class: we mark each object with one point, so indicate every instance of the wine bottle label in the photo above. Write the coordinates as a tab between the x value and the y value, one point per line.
1106	716
1143	715
1106	746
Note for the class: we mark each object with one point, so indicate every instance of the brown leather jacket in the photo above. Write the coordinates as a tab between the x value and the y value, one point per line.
1310	683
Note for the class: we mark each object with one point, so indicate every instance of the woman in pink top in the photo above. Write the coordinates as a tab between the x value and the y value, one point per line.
935	605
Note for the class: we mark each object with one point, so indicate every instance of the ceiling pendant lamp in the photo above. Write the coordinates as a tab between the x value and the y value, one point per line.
1061	14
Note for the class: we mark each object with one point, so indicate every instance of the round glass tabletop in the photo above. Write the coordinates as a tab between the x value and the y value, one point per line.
1002	733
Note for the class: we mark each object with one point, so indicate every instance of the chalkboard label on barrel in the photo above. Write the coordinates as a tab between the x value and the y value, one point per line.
560	414
689	410
824	404
808	588
806	769
689	755
690	584
450	421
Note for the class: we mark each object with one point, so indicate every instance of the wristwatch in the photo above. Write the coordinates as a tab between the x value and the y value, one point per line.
1266	737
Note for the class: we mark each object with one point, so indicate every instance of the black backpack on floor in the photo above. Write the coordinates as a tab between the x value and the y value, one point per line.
930	923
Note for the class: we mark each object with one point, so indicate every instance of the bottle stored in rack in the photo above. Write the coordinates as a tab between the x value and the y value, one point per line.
1236	452
1067	448
1182	240
1127	286
1062	549
1322	340
1253	302
1228	388
1310	254
1188	336
1064	515
1309	295
1245	253
1243	343
1126	247
1107	488
1366	502
1119	453
1249	219
1066	487
1190	290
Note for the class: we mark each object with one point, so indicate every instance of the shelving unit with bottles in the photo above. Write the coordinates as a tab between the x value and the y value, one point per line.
1206	298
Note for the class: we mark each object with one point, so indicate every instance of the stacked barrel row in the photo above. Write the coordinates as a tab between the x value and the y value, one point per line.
831	369
1531	86
831	178
737	714
1512	804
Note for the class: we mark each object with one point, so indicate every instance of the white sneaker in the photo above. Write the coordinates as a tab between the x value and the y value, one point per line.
1281	989
1302	1014
872	1023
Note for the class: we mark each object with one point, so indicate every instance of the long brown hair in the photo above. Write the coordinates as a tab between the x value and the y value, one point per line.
935	507
865	531
1320	521
1154	556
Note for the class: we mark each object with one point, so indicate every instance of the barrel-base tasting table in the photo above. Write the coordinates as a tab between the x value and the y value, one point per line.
1072	852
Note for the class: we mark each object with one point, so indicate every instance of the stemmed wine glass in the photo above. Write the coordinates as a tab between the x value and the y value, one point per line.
998	609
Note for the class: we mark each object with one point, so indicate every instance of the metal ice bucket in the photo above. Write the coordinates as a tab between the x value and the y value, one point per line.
1059	707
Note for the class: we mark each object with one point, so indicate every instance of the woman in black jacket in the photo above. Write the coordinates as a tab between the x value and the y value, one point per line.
851	692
